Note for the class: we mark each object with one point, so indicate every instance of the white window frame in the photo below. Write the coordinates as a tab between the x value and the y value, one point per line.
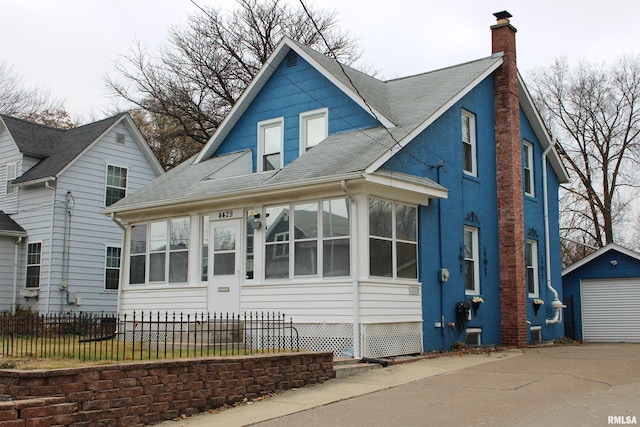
475	257
473	333
107	186
265	124
528	170
395	240
10	189
204	248
39	265
532	245
472	143
107	267
288	237
166	251
304	119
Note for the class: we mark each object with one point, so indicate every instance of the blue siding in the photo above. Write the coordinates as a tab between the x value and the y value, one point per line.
598	268
289	92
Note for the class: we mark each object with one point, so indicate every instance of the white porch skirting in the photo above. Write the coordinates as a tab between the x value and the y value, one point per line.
376	339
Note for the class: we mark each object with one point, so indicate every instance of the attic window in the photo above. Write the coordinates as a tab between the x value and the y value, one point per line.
292	59
120	138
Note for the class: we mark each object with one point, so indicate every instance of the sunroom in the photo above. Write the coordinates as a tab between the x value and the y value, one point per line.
337	254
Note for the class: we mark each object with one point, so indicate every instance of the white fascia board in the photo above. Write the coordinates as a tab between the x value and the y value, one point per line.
530	110
13	233
407	185
34	181
415	132
348	90
143	144
241	105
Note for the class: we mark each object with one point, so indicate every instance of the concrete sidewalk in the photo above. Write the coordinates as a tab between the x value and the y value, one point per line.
335	390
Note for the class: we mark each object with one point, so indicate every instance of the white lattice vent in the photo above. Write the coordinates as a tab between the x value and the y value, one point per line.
334	337
391	339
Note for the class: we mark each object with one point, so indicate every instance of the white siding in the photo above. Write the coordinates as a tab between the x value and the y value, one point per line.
305	302
7	255
390	302
611	310
8	154
91	232
186	300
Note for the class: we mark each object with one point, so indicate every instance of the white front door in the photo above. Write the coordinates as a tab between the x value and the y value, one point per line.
224	272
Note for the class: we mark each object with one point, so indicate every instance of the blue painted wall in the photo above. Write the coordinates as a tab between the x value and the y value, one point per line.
598	268
472	200
289	92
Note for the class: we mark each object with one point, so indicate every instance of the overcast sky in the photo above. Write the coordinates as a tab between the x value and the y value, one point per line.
69	46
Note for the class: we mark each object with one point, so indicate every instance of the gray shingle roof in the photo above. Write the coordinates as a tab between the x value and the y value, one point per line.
407	102
9	227
55	147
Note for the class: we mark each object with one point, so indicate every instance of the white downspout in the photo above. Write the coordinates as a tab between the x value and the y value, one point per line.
53	217
556	305
355	262
123	257
15	275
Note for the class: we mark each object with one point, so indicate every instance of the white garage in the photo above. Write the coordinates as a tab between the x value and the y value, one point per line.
611	310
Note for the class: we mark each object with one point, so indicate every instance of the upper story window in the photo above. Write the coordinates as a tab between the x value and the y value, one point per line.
159	252
393	239
529	187
314	128
469	163
308	239
531	254
34	260
116	187
471	261
270	144
112	267
12	173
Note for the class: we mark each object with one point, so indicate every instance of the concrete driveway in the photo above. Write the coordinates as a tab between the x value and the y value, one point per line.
586	385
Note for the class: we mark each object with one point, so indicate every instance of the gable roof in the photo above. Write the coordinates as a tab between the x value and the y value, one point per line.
603	250
58	148
8	227
411	103
404	107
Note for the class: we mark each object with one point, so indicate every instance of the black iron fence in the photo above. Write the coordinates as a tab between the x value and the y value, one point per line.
143	335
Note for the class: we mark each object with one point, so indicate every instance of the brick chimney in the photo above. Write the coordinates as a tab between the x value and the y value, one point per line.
513	296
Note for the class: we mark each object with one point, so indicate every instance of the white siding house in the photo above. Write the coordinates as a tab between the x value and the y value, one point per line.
69	256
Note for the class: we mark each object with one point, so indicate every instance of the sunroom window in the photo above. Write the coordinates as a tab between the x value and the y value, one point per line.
160	252
295	233
393	243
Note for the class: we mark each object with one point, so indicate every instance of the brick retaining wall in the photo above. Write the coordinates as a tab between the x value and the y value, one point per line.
143	393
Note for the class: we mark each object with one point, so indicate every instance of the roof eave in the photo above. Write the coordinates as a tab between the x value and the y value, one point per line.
33	181
603	250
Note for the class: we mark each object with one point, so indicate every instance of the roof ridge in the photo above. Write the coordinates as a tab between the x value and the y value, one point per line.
445	68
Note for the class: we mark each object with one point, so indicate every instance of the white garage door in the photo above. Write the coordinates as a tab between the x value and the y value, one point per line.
611	310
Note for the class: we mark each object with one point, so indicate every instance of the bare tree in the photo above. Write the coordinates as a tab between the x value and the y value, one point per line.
595	112
199	76
18	100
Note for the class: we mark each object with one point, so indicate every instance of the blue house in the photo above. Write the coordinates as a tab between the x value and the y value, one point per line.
603	293
384	217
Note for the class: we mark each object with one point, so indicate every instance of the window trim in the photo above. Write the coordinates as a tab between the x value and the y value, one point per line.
106	266
8	188
528	170
304	119
265	124
472	143
291	241
475	249
107	186
394	239
167	251
533	244
39	265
